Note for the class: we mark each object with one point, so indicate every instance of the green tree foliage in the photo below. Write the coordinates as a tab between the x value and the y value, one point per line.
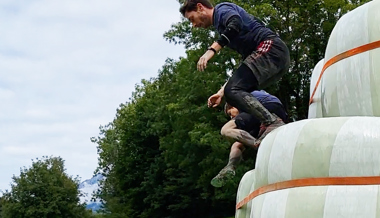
164	146
43	190
1	207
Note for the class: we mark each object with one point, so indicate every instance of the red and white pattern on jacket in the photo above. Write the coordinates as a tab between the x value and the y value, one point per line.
263	47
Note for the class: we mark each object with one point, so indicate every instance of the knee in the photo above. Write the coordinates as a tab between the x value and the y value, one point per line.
226	131
223	131
238	145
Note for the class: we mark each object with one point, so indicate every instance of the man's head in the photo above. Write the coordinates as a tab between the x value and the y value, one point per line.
230	111
199	12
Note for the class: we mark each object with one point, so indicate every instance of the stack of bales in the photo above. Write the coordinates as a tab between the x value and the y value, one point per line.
303	163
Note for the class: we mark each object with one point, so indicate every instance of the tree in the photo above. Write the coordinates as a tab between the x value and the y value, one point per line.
43	190
1	206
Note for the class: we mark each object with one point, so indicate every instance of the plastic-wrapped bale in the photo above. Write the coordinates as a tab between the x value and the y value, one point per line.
351	87
315	108
246	186
323	147
319	202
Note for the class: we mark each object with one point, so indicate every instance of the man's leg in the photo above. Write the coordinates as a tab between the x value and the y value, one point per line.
238	94
228	171
231	130
276	109
236	154
237	129
265	66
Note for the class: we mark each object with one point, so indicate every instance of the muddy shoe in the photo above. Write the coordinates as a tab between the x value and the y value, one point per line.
227	173
263	127
266	130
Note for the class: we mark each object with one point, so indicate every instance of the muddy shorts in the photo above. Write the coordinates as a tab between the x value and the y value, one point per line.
269	62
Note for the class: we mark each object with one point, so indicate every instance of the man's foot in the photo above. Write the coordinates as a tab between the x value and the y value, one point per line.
263	127
227	173
265	130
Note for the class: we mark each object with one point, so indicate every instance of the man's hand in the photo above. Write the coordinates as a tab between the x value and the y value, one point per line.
202	63
214	100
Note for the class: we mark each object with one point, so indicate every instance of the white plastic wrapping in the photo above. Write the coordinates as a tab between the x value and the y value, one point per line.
319	202
315	108
351	87
246	186
323	147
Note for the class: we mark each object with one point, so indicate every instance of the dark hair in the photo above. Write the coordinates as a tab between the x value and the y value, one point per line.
226	108
191	5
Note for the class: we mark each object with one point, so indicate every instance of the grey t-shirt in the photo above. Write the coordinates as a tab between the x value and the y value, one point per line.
252	33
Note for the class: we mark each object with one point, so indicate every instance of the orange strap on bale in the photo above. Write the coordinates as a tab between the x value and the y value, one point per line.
322	181
342	56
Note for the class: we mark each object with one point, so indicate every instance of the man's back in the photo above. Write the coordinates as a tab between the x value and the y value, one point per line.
263	97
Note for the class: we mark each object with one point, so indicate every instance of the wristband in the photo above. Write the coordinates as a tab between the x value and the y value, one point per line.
212	49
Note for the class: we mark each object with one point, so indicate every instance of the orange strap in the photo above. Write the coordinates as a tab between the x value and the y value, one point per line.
322	181
342	56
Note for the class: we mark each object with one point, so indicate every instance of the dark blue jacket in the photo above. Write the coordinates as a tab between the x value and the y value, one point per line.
263	97
251	34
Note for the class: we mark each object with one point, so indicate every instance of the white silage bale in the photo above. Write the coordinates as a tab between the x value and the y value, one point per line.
246	186
351	87
323	147
315	108
319	202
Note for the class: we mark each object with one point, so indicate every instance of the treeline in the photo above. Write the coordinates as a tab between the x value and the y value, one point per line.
44	190
164	146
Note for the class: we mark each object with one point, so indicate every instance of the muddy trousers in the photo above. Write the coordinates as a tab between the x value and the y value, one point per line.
263	67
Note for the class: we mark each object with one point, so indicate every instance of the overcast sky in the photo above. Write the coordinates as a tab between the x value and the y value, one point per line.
65	66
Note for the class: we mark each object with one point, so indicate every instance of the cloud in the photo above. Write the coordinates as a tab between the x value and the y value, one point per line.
65	67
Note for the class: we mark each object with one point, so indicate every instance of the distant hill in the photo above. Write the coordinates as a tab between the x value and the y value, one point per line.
87	188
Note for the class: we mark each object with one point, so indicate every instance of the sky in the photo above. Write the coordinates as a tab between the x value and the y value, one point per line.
66	66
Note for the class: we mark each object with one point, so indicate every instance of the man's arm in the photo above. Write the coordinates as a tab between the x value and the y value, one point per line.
215	99
221	90
233	27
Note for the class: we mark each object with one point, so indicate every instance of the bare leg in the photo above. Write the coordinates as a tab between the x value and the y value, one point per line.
236	154
228	172
230	130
